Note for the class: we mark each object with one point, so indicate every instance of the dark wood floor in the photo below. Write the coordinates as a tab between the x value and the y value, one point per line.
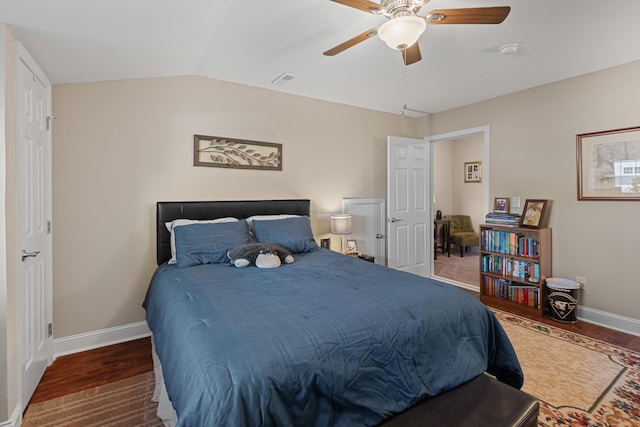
81	371
88	369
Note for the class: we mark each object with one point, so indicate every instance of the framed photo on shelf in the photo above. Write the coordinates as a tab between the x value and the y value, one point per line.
473	171
501	205
533	213
608	165
352	246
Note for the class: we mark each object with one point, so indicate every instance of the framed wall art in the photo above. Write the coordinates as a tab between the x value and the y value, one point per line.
533	213
223	152
473	171
608	165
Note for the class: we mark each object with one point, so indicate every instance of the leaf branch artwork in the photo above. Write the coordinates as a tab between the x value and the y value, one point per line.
223	152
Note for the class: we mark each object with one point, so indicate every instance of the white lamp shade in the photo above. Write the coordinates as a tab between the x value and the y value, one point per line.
401	32
341	224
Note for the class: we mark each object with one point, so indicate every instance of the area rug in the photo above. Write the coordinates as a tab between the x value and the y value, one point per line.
579	381
122	403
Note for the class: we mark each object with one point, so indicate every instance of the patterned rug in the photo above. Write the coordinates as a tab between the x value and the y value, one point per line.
579	381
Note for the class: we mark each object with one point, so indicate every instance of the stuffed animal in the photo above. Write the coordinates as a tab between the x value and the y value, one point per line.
262	255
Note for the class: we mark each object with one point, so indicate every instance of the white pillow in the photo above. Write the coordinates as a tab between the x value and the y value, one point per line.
267	218
179	222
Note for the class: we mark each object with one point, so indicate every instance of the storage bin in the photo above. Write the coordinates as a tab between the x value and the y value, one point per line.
563	299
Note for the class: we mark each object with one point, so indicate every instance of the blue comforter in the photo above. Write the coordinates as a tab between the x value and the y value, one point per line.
329	340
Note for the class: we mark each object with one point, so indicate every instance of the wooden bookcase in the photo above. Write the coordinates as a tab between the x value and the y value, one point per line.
514	264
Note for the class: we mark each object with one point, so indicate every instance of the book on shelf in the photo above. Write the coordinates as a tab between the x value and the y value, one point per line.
509	242
502	215
517	269
505	289
502	218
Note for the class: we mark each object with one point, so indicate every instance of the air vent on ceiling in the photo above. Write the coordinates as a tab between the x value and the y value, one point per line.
283	79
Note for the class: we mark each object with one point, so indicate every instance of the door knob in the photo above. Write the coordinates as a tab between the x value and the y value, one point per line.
379	236
26	254
395	220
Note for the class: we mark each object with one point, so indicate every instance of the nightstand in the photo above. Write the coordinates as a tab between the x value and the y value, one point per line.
363	257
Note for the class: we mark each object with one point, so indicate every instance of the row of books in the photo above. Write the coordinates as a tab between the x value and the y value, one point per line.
505	289
509	242
503	218
524	270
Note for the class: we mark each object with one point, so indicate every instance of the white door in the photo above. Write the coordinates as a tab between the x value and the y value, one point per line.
368	226
409	226
33	158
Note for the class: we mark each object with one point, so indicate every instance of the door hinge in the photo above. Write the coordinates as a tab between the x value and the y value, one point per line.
50	120
49	227
50	329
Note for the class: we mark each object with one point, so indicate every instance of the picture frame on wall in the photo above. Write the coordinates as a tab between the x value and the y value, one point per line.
533	213
501	205
608	165
473	171
233	153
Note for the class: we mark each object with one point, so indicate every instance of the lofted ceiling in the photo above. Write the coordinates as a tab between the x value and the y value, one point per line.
255	42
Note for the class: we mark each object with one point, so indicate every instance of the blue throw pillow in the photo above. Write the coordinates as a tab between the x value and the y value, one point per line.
293	233
209	243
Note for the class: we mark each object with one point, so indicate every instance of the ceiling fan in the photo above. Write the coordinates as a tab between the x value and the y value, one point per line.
404	26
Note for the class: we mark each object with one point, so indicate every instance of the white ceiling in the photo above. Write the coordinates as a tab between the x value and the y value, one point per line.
254	41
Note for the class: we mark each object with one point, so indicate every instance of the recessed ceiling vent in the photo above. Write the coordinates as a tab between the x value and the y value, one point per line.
283	79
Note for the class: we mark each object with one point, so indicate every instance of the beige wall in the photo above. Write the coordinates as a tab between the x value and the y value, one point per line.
118	147
468	198
533	155
442	176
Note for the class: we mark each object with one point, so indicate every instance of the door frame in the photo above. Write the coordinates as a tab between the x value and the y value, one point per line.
460	134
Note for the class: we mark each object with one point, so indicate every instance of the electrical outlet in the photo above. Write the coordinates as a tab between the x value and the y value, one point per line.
582	280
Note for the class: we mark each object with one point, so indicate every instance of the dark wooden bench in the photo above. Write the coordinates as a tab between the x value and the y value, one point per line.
482	402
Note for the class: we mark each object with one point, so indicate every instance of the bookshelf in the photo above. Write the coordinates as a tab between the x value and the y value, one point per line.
514	264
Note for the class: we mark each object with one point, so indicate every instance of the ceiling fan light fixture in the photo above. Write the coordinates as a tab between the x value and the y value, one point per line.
401	32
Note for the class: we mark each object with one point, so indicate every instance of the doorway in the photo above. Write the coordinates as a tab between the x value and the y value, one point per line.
453	196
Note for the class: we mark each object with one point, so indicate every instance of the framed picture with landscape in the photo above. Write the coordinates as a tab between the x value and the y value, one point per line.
501	205
608	165
533	213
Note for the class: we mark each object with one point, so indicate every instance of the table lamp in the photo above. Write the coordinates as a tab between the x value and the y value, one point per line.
341	225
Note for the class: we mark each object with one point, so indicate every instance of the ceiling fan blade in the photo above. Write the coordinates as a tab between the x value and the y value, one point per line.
352	42
411	54
365	5
471	15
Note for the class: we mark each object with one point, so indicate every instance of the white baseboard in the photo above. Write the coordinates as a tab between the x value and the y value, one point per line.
15	419
100	338
132	331
602	318
609	320
87	341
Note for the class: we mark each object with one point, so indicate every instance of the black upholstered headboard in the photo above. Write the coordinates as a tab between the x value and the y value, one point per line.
168	211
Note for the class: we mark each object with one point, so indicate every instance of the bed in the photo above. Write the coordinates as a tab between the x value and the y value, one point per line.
329	340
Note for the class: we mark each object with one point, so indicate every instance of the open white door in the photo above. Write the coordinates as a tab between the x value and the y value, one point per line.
33	158
409	229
